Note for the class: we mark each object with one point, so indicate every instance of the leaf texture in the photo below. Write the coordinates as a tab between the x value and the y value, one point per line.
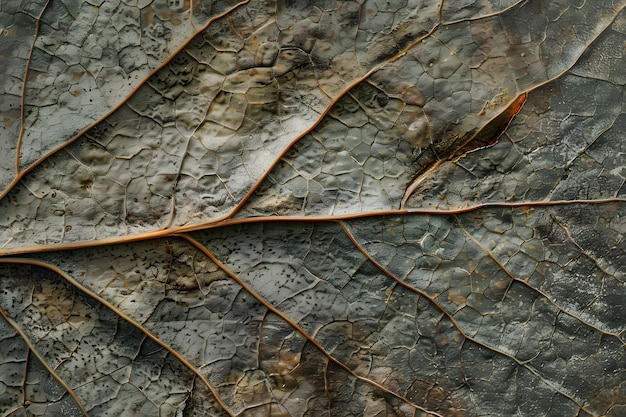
333	208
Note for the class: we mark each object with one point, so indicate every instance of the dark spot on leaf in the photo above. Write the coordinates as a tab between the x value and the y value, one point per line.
382	99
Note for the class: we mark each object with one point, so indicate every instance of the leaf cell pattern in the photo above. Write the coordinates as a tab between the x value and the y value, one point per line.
333	208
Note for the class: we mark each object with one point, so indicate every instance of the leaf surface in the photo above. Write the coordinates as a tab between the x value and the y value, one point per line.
285	208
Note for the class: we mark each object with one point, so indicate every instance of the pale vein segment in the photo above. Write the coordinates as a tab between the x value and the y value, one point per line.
18	26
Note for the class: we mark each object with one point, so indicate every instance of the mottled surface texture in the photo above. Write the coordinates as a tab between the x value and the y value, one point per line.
312	208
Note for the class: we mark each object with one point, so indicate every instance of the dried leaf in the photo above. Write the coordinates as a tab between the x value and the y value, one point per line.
286	208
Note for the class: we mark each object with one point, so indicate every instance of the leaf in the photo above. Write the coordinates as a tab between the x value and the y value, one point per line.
301	209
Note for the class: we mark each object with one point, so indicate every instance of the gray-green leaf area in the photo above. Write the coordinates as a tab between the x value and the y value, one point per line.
299	209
